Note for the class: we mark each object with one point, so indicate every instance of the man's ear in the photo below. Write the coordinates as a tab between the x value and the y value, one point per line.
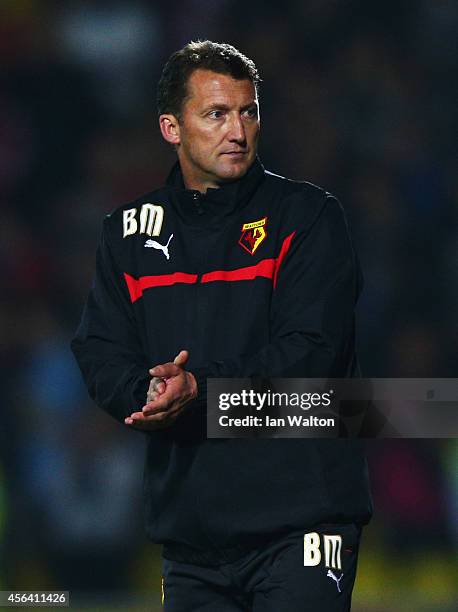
170	129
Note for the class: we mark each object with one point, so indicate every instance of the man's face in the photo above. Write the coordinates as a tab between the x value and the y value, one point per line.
218	129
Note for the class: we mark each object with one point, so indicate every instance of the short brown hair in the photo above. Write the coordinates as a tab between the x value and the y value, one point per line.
206	55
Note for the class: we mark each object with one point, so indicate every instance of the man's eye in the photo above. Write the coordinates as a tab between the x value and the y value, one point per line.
215	114
251	112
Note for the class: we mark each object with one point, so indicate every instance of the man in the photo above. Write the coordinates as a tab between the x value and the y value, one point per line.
229	271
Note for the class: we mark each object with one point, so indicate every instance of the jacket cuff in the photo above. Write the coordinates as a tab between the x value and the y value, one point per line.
201	375
140	390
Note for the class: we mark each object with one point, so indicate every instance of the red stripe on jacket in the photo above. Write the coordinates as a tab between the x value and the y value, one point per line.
267	268
137	285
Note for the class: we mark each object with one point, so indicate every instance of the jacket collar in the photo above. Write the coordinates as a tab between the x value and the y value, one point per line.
194	206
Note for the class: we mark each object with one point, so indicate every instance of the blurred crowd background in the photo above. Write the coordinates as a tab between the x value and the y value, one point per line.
357	96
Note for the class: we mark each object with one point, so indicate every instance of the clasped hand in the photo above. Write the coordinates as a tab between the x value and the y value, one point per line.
171	388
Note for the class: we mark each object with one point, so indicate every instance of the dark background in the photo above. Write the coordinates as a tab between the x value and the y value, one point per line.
358	97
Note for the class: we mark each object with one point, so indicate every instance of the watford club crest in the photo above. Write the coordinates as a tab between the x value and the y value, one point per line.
252	235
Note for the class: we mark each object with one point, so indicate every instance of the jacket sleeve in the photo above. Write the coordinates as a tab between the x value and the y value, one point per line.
312	310
107	346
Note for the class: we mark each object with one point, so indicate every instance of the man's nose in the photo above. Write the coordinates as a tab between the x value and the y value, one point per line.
236	131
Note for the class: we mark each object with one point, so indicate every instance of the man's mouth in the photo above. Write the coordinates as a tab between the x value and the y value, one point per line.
235	153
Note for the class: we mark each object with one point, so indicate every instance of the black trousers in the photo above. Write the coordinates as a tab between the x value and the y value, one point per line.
301	572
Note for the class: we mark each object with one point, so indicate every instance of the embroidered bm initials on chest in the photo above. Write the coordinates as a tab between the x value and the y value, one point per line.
148	221
332	545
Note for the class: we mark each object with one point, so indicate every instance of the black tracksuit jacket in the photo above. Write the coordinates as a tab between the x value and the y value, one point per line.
275	302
